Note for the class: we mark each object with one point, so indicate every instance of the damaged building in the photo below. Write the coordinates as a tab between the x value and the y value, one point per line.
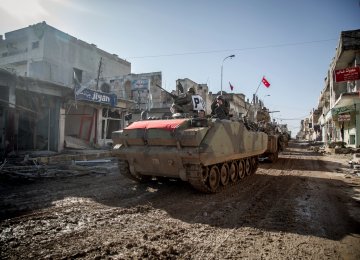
30	114
337	116
43	58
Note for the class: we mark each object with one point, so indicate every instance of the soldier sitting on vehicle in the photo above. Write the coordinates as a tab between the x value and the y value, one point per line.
220	108
201	114
188	104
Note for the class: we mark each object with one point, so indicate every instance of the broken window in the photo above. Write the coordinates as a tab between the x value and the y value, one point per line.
111	122
78	75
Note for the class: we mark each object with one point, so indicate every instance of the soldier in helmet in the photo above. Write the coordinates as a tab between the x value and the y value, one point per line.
220	107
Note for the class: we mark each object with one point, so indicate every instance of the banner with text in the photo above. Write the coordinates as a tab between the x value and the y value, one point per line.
348	74
96	96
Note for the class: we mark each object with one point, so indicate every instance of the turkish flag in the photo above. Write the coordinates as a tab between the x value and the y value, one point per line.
231	86
265	82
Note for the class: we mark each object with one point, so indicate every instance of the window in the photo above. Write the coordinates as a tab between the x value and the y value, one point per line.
352	139
35	45
77	75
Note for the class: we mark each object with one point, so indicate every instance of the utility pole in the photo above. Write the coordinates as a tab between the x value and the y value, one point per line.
98	75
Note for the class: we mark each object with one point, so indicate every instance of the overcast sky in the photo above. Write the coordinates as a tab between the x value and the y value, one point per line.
290	42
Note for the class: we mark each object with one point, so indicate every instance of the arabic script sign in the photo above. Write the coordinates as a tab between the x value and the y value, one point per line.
347	74
344	117
341	110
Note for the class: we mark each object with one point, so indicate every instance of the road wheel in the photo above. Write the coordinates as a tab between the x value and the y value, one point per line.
214	178
247	167
233	172
224	174
241	169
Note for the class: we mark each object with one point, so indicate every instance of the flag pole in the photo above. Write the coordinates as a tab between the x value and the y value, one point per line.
257	90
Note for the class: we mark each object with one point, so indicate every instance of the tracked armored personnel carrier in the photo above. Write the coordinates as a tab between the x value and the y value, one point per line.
210	154
275	143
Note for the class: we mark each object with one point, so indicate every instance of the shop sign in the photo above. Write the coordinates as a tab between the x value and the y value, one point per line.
348	74
344	117
342	110
96	96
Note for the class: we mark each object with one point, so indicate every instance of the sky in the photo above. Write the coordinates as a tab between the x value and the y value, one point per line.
290	42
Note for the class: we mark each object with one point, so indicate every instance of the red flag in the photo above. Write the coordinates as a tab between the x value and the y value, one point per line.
231	86
265	82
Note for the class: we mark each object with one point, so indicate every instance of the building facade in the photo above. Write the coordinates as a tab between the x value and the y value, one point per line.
31	114
338	110
46	54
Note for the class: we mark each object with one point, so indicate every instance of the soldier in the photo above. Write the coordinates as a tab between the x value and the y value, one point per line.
188	103
220	108
201	114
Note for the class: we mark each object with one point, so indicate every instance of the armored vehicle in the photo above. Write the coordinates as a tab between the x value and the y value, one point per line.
208	153
275	138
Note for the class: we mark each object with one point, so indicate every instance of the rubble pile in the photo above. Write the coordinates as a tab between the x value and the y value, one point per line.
30	168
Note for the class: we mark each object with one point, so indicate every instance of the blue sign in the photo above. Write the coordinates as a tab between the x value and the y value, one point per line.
140	84
97	96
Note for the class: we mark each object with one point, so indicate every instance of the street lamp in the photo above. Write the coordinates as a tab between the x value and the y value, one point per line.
222	65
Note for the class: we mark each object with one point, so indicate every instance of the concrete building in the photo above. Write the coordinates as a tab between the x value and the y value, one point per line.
31	114
44	53
338	108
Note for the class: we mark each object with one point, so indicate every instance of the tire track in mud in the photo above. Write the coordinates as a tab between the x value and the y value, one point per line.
244	203
290	208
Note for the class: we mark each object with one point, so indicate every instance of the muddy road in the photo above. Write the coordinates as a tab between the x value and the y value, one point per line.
304	206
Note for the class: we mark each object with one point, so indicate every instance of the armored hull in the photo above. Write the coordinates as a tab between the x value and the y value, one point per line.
208	153
273	148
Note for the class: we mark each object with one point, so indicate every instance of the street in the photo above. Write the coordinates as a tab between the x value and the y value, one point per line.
304	206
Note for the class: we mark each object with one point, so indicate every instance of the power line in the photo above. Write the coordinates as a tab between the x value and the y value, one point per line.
299	118
231	50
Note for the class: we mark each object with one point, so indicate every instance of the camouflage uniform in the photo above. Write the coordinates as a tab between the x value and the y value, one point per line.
221	111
